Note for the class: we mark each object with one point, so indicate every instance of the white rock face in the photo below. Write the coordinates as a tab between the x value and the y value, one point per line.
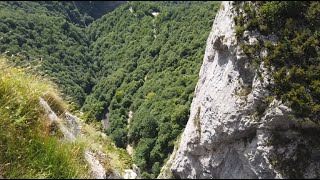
231	132
129	148
155	14
72	123
129	174
97	170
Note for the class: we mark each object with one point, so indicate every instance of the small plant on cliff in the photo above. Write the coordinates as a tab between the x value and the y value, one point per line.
295	55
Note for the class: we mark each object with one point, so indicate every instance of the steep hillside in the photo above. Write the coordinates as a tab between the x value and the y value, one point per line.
255	111
148	57
27	149
40	139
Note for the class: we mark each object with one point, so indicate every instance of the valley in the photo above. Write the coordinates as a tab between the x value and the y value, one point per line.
159	89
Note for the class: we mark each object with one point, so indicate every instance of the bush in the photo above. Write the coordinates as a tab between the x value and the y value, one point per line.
239	31
293	55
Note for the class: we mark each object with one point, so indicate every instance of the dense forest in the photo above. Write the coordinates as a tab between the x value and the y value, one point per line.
47	36
142	57
149	65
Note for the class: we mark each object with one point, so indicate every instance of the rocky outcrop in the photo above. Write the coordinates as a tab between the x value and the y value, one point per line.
73	124
97	170
70	131
70	127
53	118
235	129
129	174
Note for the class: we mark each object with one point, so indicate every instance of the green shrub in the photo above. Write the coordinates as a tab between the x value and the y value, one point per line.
295	56
239	31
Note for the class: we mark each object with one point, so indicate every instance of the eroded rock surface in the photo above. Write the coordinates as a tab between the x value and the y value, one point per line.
233	131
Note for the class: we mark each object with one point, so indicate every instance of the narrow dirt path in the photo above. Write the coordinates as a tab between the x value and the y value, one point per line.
129	148
155	14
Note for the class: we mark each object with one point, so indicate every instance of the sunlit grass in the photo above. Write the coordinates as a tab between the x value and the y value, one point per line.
26	148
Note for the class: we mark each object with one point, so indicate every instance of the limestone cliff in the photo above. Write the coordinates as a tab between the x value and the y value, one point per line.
235	129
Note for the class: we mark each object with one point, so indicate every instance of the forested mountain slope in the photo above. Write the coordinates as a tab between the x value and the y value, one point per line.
50	36
148	64
45	40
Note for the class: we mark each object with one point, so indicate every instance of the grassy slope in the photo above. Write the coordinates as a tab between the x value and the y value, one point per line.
27	150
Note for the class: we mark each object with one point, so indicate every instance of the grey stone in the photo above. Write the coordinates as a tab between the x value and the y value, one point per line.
225	137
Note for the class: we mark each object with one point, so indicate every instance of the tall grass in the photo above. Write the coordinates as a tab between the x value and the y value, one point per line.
26	148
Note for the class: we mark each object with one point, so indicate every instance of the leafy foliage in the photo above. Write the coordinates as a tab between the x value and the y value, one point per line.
38	35
148	65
